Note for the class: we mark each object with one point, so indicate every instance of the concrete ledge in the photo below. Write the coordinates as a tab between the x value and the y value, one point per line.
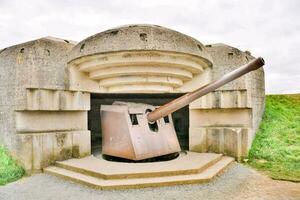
220	117
46	121
47	99
222	99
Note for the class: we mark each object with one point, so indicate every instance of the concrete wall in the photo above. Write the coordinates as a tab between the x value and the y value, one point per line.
53	126
256	88
225	121
34	123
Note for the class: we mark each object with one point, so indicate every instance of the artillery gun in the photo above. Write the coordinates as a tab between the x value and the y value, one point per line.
139	131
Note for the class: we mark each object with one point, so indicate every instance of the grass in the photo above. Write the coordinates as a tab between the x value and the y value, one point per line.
276	148
10	170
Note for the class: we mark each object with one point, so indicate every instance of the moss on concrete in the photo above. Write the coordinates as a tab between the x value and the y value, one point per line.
66	153
75	151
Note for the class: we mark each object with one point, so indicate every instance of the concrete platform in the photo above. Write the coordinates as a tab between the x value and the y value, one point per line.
96	172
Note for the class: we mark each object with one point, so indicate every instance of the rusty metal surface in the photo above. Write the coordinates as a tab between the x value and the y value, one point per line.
134	139
190	97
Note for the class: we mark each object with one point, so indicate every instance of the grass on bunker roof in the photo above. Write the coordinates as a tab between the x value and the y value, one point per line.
10	170
276	147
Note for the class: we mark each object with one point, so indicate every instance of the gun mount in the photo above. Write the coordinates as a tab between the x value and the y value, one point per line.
140	131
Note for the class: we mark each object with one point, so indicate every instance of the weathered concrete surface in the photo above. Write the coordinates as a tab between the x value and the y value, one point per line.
38	63
39	150
35	134
236	183
227	58
239	106
109	64
138	37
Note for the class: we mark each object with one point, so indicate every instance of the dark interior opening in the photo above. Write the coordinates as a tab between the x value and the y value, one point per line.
180	117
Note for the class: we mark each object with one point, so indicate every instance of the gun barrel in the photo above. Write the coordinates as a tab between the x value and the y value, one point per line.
186	99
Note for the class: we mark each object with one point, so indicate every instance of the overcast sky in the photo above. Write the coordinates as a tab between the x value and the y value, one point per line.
270	29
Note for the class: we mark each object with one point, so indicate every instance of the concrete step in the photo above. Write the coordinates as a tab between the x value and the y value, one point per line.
99	183
186	163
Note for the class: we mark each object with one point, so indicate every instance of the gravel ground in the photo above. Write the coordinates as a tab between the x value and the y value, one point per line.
238	182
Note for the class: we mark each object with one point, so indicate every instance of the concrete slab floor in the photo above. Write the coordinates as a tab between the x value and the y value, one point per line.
238	182
185	162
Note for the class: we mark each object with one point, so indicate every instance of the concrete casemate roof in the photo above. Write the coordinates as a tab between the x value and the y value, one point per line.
138	37
40	42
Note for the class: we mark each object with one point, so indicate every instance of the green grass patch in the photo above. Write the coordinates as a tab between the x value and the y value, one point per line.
276	148
10	170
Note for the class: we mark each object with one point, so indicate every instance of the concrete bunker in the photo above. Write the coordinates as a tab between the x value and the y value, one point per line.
56	84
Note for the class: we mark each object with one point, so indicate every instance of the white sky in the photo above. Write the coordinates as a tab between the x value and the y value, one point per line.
270	29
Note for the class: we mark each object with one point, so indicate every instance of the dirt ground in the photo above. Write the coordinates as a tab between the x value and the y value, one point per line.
237	182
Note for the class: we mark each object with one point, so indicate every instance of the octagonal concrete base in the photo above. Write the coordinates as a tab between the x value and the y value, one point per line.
96	172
